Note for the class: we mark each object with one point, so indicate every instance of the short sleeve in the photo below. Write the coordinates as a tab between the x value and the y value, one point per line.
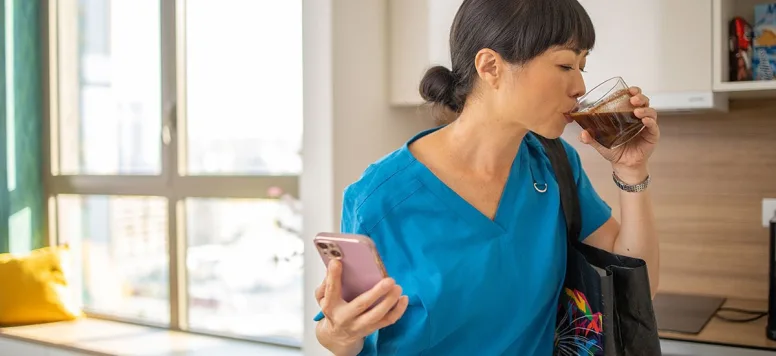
350	224
595	211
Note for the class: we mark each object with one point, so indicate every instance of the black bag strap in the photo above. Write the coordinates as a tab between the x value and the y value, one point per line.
569	199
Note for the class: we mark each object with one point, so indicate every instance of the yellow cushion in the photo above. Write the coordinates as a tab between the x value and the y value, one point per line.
34	289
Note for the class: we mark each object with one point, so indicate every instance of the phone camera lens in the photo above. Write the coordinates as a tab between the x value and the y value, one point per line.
323	246
336	253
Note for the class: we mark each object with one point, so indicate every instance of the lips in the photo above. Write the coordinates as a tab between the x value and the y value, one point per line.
567	114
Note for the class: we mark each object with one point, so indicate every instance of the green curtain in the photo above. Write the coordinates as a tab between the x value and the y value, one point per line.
21	184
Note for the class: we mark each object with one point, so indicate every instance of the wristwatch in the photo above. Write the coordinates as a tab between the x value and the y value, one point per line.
635	188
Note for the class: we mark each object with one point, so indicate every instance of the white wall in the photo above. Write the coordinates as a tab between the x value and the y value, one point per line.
348	122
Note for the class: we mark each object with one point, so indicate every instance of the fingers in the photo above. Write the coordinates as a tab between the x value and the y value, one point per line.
653	130
333	291
645	112
380	310
634	91
648	117
334	279
395	314
361	303
639	100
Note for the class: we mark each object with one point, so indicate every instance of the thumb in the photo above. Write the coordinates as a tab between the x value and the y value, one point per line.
588	139
334	281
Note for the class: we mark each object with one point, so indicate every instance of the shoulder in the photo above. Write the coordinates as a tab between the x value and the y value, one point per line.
384	184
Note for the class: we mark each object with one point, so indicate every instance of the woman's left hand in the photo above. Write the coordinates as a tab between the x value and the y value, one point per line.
630	159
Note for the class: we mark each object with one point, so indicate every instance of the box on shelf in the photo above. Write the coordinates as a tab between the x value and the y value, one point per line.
764	56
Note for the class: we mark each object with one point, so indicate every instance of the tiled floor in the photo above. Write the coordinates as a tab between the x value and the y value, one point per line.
113	338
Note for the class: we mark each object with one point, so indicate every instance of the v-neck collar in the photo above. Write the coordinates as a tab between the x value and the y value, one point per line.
503	218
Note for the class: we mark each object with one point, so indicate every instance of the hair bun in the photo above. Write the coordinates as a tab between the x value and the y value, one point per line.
438	87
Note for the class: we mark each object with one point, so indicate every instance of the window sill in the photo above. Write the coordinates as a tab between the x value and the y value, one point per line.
103	337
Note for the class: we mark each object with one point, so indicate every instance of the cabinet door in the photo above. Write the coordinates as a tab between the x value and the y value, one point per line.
662	46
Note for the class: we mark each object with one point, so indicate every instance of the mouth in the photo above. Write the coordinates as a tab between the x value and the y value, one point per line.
568	113
568	117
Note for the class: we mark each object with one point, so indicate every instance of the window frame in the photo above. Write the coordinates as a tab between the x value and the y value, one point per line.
172	183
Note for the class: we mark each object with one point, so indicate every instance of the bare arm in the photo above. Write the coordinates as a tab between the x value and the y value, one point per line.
635	236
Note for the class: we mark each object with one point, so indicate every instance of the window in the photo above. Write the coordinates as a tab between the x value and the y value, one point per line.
175	137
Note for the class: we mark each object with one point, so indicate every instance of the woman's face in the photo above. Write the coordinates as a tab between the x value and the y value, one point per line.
539	93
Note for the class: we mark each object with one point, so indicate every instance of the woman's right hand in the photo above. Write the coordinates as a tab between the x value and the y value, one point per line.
345	325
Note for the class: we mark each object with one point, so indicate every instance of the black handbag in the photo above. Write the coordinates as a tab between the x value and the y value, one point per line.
605	307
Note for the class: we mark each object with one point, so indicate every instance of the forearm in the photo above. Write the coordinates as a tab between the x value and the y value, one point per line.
637	236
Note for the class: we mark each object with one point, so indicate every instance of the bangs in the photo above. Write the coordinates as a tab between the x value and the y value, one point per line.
573	29
538	25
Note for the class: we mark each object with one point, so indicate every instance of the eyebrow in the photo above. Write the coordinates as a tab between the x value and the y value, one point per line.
577	51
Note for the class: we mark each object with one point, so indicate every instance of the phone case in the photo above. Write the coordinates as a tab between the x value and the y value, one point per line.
362	267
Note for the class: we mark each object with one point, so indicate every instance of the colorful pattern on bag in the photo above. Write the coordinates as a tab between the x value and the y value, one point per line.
579	331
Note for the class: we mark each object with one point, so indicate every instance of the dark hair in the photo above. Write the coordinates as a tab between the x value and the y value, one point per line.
518	30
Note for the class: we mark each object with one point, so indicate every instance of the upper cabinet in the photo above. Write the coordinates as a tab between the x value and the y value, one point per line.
662	46
675	50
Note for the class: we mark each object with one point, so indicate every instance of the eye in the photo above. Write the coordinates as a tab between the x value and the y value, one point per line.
568	68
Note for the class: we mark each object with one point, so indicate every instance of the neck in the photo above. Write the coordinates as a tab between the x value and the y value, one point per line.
482	142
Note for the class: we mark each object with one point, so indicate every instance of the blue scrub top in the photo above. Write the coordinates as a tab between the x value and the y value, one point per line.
475	285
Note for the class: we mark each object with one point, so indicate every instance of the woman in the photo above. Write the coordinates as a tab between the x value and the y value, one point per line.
475	252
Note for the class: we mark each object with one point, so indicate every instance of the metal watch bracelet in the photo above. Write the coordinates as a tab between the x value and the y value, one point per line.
634	188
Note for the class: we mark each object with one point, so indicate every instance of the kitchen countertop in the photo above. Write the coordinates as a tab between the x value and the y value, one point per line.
718	331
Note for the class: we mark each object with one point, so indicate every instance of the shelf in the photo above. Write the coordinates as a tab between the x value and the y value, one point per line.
723	12
761	85
747	90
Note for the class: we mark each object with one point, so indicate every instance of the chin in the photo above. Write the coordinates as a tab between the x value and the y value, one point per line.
552	132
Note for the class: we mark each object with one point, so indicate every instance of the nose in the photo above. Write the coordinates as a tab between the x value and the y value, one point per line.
578	86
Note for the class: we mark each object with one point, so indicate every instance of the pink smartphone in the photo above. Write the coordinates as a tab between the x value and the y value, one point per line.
362	266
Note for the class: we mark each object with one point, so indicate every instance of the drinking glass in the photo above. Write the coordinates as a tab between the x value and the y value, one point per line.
607	113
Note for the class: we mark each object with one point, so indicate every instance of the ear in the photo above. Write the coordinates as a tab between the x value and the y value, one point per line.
490	67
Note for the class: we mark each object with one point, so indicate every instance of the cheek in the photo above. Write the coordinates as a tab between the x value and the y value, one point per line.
544	97
554	94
